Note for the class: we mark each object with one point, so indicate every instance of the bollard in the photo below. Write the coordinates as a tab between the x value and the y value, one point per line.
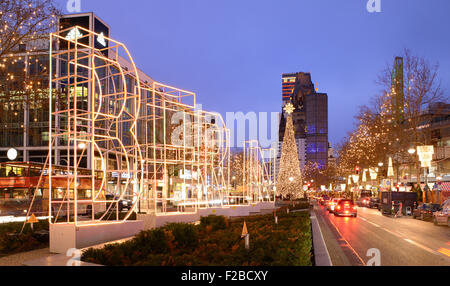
247	241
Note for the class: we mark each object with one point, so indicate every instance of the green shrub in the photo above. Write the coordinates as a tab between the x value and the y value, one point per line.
15	227
185	234
152	241
11	242
216	222
216	242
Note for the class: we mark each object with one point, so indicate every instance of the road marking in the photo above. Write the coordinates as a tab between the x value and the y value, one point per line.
391	232
439	252
421	246
374	224
444	251
368	221
351	248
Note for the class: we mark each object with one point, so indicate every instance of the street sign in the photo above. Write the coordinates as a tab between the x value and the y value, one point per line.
32	219
244	230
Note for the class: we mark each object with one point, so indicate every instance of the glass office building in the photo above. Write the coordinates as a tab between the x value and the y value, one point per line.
310	117
317	129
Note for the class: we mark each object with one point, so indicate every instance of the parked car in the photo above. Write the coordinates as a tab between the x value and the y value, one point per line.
324	200
123	204
364	198
425	211
332	204
374	203
440	217
345	208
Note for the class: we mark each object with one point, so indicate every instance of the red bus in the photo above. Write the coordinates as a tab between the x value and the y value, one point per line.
18	182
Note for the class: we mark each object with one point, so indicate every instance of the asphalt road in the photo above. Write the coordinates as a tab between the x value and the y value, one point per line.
400	241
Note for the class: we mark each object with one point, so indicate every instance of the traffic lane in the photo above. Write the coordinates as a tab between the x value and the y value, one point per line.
394	250
422	232
341	252
362	237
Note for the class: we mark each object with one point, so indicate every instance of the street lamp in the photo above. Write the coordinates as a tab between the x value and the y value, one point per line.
81	146
12	154
411	151
380	164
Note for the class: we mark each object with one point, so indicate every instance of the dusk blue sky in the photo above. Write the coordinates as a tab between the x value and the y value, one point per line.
232	52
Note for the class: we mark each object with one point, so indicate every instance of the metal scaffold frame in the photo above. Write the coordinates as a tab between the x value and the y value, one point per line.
259	170
136	138
94	103
186	138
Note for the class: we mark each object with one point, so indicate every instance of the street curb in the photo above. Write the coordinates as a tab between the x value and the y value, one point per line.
321	255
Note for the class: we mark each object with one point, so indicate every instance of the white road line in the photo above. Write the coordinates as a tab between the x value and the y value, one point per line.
368	221
391	232
422	246
374	224
349	245
323	240
406	239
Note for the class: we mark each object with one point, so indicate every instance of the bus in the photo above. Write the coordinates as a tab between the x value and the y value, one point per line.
19	182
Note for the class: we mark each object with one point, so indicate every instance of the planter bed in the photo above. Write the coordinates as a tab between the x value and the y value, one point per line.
216	241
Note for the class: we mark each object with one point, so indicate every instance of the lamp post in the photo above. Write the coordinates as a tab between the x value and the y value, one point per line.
380	164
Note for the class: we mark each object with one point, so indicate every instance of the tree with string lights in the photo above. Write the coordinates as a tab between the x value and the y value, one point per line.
289	181
380	132
24	34
24	21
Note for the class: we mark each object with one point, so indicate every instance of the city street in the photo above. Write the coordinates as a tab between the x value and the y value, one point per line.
401	241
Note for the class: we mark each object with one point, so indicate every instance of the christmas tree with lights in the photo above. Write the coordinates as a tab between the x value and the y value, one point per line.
289	181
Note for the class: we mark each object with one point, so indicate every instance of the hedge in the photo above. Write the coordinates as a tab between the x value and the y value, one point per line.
216	241
12	242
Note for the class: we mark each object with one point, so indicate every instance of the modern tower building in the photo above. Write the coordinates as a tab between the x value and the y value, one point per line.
310	117
317	129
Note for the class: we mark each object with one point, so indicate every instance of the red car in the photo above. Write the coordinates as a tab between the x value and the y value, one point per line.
345	208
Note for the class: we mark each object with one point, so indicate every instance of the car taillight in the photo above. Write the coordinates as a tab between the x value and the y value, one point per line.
338	207
364	201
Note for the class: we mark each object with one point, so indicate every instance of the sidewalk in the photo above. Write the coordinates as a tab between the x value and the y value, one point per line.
19	258
43	257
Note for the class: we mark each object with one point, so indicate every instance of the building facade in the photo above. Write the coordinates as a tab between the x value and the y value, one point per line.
310	117
107	124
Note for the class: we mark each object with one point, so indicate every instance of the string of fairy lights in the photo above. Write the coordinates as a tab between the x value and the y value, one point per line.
376	137
25	23
24	26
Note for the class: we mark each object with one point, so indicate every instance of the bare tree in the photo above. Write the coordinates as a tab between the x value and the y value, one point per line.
24	20
379	134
